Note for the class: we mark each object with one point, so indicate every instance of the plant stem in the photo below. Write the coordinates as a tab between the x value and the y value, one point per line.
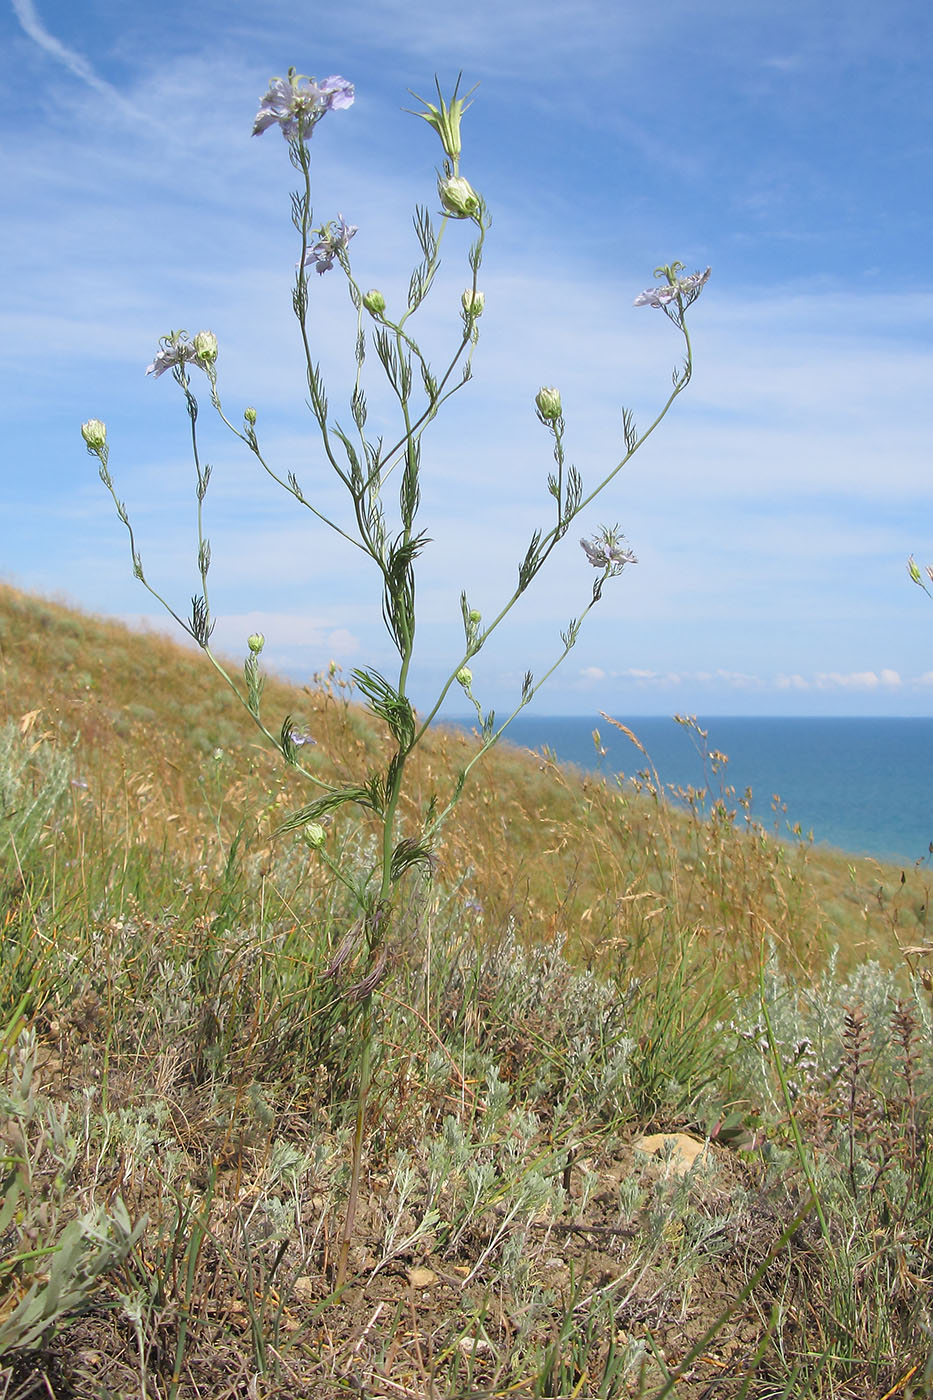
366	1072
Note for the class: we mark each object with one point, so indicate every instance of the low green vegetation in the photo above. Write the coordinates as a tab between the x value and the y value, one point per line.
589	966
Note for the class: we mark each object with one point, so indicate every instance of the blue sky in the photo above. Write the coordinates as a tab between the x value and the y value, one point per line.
787	144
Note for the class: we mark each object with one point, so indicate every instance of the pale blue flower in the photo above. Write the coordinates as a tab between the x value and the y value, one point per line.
337	92
334	238
300	738
176	349
170	354
655	296
608	550
297	103
687	288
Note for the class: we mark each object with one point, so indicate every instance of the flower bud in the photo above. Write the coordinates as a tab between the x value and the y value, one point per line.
250	415
205	347
475	616
256	642
465	677
473	302
547	402
458	197
315	834
94	433
374	302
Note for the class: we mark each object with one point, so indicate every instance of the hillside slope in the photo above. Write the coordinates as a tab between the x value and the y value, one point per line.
172	761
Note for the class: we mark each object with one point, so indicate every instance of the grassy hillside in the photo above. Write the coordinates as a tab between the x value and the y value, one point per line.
173	764
588	964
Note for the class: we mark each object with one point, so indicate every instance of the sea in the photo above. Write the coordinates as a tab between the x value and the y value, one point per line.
863	786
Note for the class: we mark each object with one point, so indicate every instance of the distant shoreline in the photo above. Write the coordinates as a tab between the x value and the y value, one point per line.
861	784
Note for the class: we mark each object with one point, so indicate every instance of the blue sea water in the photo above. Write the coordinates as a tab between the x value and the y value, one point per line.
864	786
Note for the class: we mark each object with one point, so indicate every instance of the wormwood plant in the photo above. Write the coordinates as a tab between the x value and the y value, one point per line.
390	535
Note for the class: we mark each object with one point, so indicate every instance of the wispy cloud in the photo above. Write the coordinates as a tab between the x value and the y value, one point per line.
76	63
294	641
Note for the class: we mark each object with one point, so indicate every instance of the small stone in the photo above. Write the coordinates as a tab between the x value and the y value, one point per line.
421	1278
470	1345
684	1154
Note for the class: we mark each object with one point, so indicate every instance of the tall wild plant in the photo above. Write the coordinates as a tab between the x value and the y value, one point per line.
390	532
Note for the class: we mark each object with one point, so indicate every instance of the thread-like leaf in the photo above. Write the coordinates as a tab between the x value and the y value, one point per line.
330	802
385	701
409	852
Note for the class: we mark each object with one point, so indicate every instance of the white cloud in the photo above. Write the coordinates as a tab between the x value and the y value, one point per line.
792	682
856	680
741	680
28	17
738	680
648	678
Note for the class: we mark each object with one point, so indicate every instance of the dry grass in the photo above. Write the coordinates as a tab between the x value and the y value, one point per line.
551	850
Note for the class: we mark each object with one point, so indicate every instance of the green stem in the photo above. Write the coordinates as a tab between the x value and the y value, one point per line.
494	738
253	445
366	1068
550	539
678	389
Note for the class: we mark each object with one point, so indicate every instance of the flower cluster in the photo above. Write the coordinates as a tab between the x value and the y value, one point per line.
608	550
333	240
684	289
297	103
176	349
